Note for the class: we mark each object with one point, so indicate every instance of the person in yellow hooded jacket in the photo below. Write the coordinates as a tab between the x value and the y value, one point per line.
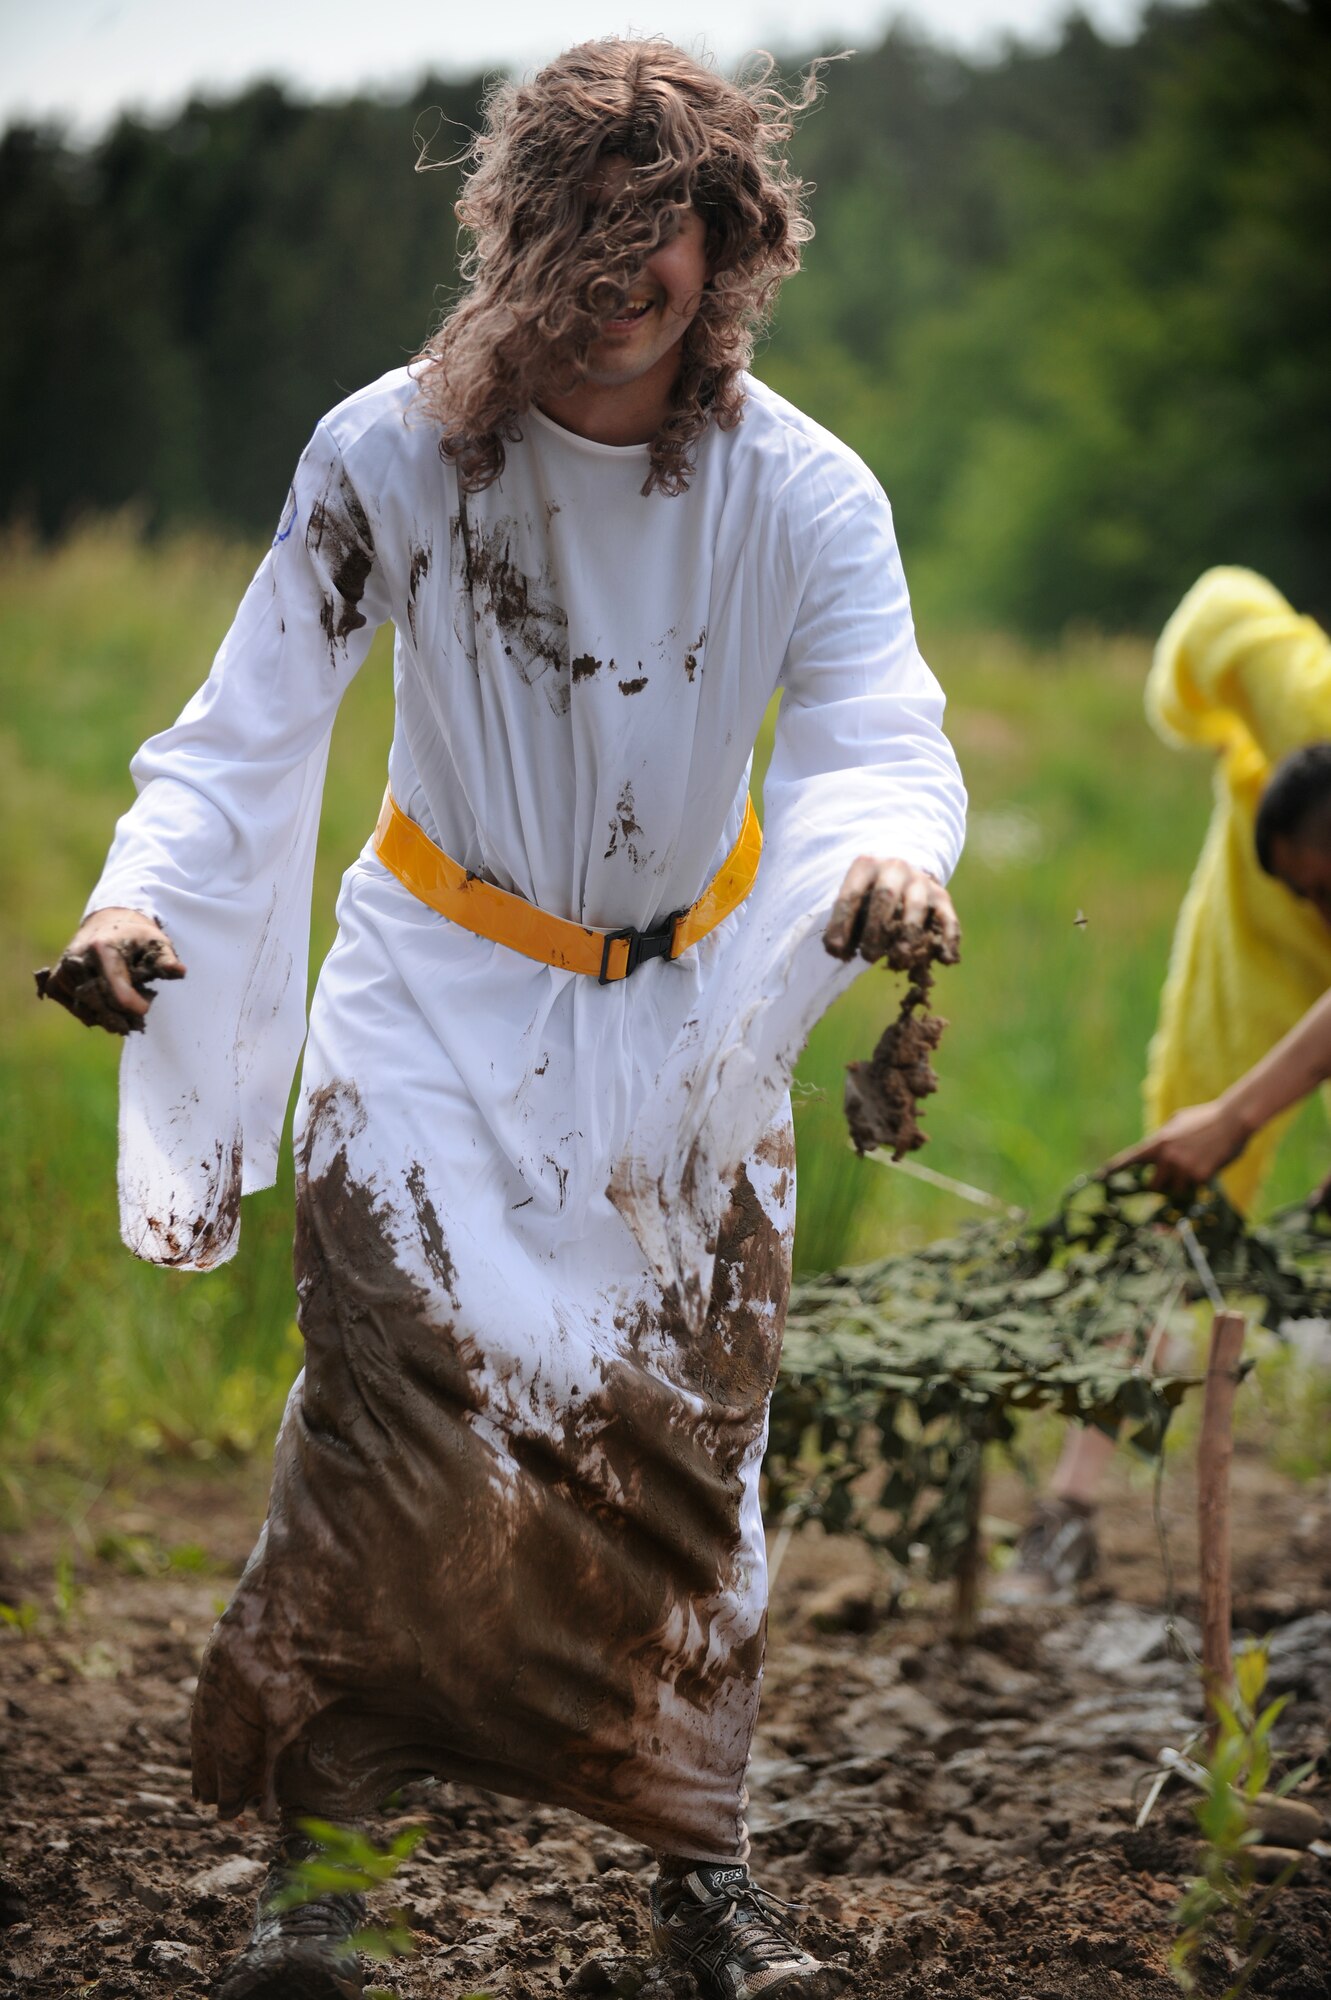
1244	1032
1239	671
1233	1130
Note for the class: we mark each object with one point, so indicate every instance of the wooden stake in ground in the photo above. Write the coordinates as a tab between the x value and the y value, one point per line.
1215	1449
966	1589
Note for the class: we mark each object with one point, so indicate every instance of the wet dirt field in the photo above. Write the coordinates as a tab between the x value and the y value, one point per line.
954	1822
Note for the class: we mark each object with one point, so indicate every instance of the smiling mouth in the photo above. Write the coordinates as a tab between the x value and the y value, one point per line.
629	315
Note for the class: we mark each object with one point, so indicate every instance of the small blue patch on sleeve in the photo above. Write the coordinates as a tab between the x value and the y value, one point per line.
288	521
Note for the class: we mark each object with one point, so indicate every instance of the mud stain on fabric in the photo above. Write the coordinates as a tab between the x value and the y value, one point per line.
691	655
455	1581
634	686
741	1346
418	570
733	1360
339	538
625	830
202	1239
432	1236
585	666
522	610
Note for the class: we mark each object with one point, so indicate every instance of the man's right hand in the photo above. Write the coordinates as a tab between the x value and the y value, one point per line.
105	974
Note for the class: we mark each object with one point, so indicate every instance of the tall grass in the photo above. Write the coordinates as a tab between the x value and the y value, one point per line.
1076	809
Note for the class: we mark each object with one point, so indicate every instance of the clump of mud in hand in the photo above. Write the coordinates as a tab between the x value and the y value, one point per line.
79	983
883	1095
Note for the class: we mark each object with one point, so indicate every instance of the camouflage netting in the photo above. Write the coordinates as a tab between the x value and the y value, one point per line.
897	1374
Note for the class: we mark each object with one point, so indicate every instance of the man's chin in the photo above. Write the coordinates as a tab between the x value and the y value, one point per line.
614	371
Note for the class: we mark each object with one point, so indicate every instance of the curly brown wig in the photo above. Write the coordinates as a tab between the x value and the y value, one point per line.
548	263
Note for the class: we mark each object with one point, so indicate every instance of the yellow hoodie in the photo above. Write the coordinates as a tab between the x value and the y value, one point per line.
1238	670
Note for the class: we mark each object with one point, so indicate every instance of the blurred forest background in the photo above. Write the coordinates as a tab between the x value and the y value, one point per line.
1073	306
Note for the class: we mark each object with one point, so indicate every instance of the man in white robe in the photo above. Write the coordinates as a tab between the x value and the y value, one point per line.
543	1222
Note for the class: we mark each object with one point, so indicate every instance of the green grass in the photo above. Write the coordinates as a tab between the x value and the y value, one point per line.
1076	808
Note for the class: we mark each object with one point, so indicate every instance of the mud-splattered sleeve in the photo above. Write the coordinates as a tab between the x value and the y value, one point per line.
219	845
859	740
860	765
242	744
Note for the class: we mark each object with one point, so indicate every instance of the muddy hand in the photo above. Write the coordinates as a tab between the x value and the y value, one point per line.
885	909
105	975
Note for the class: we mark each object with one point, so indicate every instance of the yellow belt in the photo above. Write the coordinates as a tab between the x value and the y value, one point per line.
433	876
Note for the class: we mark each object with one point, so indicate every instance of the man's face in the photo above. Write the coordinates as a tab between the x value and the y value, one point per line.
663	299
1303	864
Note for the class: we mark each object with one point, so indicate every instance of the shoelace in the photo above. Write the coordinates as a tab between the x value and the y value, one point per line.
335	1917
752	1912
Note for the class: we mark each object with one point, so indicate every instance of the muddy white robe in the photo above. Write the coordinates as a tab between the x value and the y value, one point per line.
543	1226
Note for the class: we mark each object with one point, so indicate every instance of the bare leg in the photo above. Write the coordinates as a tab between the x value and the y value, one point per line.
1057	1552
1086	1453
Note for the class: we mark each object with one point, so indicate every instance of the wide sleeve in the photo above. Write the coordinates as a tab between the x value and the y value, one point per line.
860	765
219	847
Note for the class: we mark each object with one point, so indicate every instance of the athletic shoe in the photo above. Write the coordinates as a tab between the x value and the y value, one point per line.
304	1953
719	1925
1057	1553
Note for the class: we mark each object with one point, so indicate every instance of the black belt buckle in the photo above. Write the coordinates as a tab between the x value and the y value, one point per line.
642	946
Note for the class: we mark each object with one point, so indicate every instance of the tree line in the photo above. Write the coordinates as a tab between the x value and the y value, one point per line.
1073	305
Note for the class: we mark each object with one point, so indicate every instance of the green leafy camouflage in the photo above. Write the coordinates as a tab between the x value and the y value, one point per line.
897	1374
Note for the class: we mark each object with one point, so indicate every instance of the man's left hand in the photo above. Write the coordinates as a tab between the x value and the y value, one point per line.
881	900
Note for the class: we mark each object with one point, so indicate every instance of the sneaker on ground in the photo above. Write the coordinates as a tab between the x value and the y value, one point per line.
304	1953
1057	1553
716	1923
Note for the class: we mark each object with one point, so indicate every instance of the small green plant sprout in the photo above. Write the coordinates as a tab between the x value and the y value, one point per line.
145	1555
346	1861
1221	1899
66	1592
20	1618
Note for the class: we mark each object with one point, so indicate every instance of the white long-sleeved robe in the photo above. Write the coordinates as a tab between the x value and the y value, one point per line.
543	1226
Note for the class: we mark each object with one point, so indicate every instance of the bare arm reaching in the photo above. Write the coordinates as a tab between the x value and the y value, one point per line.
1197	1142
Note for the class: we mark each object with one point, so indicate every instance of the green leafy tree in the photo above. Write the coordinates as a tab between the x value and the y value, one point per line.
1073	305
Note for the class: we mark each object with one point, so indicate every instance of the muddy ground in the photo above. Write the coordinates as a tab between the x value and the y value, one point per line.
954	1822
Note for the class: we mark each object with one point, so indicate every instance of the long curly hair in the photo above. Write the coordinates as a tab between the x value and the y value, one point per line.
548	263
